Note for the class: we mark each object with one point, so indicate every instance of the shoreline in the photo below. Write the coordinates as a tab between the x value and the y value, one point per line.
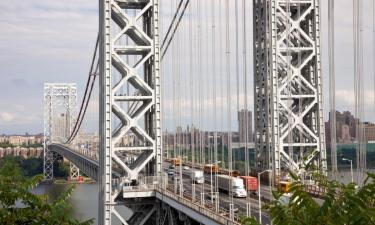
65	181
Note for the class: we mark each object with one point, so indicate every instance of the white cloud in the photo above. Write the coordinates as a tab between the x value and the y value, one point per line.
347	97
6	117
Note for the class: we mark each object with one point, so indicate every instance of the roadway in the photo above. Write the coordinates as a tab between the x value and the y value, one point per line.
224	198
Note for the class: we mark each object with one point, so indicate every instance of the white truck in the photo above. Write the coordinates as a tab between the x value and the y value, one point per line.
235	185
197	176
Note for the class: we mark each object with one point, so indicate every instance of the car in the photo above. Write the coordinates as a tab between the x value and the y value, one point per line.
186	168
170	172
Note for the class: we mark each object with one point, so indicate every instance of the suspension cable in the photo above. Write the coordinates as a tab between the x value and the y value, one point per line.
332	85
229	116
214	98
88	90
191	72
200	92
172	23
244	58
165	49
221	63
237	72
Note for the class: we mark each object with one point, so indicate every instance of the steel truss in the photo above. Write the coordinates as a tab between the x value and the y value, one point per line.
128	29
288	86
64	97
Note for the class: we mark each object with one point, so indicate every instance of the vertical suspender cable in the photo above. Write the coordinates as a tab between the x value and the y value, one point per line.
192	146
214	97
179	100
227	52
373	50
200	93
244	58
173	63
362	141
332	84
237	73
357	75
221	75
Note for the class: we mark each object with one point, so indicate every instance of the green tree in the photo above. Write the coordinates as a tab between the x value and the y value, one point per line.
341	204
32	166
19	206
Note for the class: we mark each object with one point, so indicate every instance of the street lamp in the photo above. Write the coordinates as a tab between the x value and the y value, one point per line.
351	166
259	197
212	191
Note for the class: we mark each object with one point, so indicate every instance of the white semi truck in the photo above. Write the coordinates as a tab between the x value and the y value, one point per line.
197	176
235	185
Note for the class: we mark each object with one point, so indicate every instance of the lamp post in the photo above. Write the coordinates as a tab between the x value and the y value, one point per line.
259	197
351	167
212	191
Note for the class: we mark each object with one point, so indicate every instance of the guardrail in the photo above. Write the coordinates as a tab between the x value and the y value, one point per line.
207	209
160	184
221	217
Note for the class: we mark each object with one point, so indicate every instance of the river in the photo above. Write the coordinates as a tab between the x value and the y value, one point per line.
84	199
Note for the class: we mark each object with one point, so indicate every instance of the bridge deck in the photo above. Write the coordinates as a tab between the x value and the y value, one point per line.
193	209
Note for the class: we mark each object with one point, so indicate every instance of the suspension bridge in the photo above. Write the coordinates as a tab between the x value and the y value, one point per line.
167	82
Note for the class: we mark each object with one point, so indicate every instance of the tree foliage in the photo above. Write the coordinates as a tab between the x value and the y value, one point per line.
20	206
340	205
34	166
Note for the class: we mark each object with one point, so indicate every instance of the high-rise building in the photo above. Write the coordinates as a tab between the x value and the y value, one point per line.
346	125
60	128
369	132
245	121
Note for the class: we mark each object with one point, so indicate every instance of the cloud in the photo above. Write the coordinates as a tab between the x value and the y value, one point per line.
6	117
347	97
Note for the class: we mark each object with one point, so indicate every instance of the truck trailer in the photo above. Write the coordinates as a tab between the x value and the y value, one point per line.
251	183
231	184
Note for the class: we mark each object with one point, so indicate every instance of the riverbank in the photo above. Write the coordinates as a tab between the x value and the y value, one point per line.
65	181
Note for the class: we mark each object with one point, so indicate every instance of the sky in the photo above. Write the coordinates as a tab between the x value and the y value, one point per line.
52	41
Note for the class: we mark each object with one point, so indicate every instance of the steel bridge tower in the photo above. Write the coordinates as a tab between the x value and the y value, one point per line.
60	100
289	123
129	57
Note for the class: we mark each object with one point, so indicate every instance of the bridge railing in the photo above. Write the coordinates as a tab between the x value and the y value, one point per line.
148	183
221	217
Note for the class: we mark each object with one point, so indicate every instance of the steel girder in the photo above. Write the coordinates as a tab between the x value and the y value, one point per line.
57	95
128	29
74	171
86	165
288	86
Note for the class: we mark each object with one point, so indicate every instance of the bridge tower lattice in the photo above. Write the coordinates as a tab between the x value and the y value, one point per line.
289	121
60	100
129	60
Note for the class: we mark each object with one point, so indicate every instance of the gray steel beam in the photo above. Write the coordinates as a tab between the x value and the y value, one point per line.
288	86
128	28
63	96
85	164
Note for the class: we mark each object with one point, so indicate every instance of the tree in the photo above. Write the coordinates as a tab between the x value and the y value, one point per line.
341	204
19	206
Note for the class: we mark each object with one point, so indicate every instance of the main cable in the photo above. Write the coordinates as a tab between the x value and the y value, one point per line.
87	95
